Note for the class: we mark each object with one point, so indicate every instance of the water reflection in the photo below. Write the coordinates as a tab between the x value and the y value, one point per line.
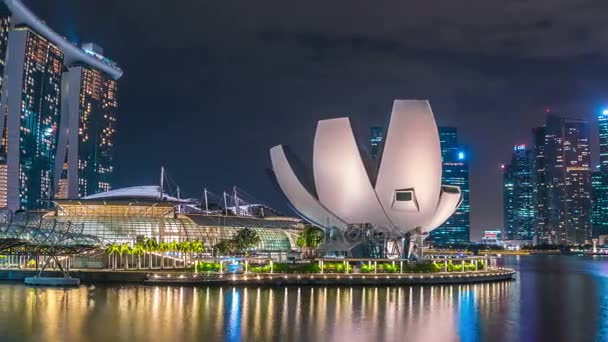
553	299
238	314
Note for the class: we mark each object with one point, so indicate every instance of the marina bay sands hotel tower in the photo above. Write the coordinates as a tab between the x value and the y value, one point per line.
57	113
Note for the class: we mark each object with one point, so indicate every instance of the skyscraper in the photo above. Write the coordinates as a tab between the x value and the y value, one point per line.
455	171
33	95
376	134
519	183
5	26
566	157
541	192
39	100
600	182
599	216
89	109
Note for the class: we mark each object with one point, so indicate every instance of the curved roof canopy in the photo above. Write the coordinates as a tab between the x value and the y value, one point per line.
144	193
72	53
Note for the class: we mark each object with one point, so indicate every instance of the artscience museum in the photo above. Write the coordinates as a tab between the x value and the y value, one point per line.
401	196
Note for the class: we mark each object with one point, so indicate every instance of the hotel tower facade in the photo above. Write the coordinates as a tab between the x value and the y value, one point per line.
58	108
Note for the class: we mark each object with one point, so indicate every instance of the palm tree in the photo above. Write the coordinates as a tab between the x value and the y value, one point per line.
112	249
163	247
173	246
309	240
138	250
151	245
184	248
196	247
245	239
125	248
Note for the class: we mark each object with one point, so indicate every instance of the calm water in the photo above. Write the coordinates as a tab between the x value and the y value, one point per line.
554	299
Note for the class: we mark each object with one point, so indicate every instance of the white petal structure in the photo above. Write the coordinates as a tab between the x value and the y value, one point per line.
408	194
340	177
302	201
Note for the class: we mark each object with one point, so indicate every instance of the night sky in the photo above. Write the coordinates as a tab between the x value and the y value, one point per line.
209	86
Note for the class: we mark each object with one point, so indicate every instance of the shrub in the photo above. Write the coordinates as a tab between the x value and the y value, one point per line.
336	267
469	267
365	268
260	269
209	267
305	268
388	268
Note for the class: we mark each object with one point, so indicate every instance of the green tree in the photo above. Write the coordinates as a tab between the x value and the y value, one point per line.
196	247
185	248
151	246
225	247
138	250
246	239
173	246
163	247
309	241
125	249
112	250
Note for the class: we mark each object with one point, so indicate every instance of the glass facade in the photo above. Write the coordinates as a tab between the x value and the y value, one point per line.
5	26
97	120
567	184
541	215
455	171
599	182
132	222
39	120
376	135
519	184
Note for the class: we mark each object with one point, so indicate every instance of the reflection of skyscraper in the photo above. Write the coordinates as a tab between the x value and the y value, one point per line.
519	183
376	133
455	171
40	104
568	180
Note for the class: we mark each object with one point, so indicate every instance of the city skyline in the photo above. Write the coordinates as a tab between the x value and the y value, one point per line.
490	126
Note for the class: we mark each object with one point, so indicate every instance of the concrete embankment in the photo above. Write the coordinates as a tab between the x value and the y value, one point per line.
158	277
334	279
88	277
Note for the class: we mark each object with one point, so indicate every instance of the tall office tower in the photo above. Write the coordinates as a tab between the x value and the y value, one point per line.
541	215
568	180
600	182
32	100
519	185
376	134
89	107
5	25
39	106
599	215
455	171
448	138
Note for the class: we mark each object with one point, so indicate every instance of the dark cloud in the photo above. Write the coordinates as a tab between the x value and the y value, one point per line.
211	85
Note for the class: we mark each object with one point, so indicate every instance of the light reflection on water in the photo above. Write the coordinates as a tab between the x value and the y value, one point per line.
554	298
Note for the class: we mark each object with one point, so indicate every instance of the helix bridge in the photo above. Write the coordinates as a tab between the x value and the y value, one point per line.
32	234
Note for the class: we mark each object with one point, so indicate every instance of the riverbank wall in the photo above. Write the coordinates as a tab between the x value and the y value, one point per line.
159	277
